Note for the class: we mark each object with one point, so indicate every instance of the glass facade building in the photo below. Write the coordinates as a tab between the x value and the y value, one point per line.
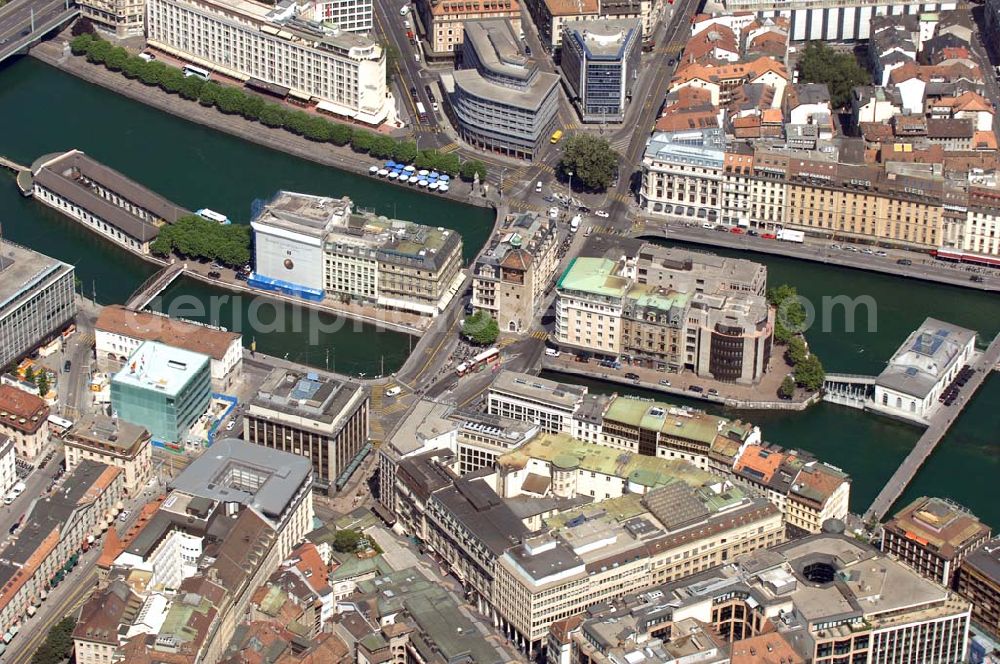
600	60
164	389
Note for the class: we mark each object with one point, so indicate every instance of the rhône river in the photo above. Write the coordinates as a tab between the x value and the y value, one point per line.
43	110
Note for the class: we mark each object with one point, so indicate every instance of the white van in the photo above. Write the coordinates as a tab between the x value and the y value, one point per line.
393	391
148	57
538	187
552	352
404	10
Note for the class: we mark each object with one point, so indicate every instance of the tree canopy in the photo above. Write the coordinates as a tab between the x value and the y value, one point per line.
200	238
590	159
839	71
57	644
787	389
480	328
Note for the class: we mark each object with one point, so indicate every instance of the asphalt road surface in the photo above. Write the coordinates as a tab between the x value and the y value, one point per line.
15	19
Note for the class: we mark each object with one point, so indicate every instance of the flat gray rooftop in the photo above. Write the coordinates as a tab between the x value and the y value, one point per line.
313	395
559	395
232	471
604	39
22	269
926	355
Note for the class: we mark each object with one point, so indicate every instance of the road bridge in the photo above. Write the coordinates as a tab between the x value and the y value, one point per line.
939	424
24	23
154	285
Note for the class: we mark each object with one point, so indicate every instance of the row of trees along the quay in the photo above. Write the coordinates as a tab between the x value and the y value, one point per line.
193	236
236	101
789	323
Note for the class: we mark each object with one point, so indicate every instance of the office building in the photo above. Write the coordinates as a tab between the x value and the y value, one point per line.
119	332
510	278
832	598
600	62
24	420
123	18
52	537
315	246
648	303
342	72
547	403
228	521
347	15
318	416
833	20
979	582
36	300
502	101
933	536
162	388
102	199
921	368
112	442
445	20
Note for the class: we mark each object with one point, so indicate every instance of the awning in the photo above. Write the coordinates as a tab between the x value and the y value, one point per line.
265	86
299	95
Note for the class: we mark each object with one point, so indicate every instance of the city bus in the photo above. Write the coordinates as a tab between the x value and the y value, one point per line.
556	135
198	72
490	357
421	111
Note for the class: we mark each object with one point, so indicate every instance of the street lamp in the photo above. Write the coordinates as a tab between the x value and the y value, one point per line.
503	171
569	205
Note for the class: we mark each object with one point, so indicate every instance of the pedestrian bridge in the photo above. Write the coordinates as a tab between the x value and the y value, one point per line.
852	390
153	286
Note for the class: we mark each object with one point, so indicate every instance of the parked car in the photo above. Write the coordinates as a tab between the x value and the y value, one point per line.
552	352
393	391
707	226
602	214
696	389
214	275
904	261
664	382
632	376
976	278
752	233
67	366
713	392
123	517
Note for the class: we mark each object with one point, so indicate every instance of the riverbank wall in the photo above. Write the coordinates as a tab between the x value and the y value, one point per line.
56	53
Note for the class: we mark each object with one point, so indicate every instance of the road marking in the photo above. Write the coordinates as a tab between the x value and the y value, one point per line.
451	147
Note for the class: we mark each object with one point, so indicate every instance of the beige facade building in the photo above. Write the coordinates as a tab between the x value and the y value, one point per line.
112	442
317	416
668	309
125	18
343	72
511	276
24	419
445	20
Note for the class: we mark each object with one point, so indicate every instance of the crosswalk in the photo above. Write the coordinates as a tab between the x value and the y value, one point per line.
523	206
608	230
624	198
427	129
451	147
539	334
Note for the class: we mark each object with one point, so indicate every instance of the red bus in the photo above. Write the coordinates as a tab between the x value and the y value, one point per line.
490	357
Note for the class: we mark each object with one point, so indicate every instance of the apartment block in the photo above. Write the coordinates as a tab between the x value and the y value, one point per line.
599	62
317	416
660	307
119	332
24	421
445	20
511	275
53	536
342	72
503	102
36	293
123	18
112	442
817	592
315	247
195	560
347	15
979	583
934	536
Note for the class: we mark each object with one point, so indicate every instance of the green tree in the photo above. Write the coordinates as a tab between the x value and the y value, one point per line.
340	134
29	375
98	51
361	141
173	80
230	100
57	644
273	115
116	59
469	169
42	382
426	159
133	67
809	373
153	73
80	44
318	129
252	106
382	146
391	61
209	94
480	328
297	121
405	151
450	164
787	389
796	351
83	26
790	313
190	87
839	71
346	541
590	159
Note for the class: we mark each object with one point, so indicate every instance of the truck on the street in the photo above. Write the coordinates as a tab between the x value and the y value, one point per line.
421	111
790	236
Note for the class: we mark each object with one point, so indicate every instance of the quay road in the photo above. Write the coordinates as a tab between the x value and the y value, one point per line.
820	250
940	422
16	22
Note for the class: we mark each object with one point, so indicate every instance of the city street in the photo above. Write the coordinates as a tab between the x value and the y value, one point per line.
16	20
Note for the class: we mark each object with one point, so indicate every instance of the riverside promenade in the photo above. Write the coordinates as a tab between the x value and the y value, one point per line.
940	422
56	53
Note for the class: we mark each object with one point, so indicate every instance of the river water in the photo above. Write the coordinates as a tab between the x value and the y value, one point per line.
44	110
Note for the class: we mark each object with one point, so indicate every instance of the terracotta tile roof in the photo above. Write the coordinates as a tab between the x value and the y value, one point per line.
685	121
762	462
114	545
561	629
329	649
772	115
949	72
22	411
817	482
702	44
984	140
311	565
145	326
517	259
972	101
747	71
770	648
